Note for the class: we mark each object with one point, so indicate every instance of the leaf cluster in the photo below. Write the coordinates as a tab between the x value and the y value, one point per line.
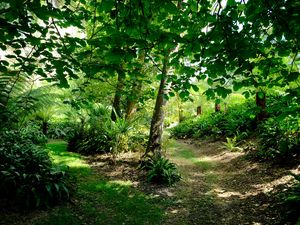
28	179
161	171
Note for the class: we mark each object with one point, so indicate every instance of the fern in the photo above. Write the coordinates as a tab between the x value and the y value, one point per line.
18	99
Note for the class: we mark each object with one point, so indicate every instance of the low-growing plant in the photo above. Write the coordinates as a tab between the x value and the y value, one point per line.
161	171
98	133
232	144
279	137
237	119
60	130
27	177
31	131
291	200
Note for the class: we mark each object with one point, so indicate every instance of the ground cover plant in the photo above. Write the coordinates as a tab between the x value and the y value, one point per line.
28	178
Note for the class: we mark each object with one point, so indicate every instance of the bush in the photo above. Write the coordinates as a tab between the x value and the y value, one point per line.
26	174
60	130
32	132
279	137
291	200
239	119
161	171
97	133
89	141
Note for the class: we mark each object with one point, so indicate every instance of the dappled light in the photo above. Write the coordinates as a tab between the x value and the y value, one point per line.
149	112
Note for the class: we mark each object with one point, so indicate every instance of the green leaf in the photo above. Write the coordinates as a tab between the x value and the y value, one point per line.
195	88
210	81
237	86
231	2
210	93
261	95
107	5
246	94
293	76
170	7
184	94
171	94
159	76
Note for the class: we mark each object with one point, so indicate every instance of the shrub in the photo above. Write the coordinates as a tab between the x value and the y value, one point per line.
279	137
291	200
89	141
60	130
239	119
97	133
32	132
26	174
161	171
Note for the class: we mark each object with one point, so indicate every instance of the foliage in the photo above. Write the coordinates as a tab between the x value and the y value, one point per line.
279	138
32	132
231	144
60	130
291	200
27	176
97	133
238	119
161	171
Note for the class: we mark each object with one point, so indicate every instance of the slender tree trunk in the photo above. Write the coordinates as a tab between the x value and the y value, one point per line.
180	111
217	107
156	130
199	110
45	127
116	110
134	95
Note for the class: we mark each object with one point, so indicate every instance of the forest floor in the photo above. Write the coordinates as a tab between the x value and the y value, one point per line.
217	187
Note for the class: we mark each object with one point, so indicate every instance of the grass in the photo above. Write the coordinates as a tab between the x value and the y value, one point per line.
96	200
187	154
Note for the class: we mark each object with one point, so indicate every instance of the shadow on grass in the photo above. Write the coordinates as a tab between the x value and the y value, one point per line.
98	201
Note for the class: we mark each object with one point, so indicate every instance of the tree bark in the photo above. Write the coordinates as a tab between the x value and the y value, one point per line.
134	95
217	108
199	110
156	130
45	127
116	107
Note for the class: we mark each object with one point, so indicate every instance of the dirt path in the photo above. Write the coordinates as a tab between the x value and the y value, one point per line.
222	187
219	187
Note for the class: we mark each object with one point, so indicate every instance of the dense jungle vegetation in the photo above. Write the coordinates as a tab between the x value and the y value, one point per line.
149	112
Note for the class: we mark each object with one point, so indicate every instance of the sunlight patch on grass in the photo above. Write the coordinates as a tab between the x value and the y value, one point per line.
98	201
122	182
73	162
184	153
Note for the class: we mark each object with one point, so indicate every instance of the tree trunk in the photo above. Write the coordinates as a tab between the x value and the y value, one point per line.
199	110
45	127
180	111
217	107
260	99
156	130
116	107
134	95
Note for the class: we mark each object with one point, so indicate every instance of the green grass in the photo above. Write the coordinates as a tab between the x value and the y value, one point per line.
96	200
187	154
